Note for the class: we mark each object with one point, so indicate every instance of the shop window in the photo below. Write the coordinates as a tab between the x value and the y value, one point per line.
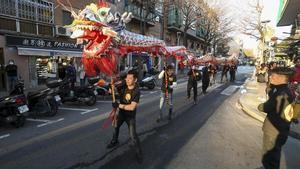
67	18
28	27
10	24
45	30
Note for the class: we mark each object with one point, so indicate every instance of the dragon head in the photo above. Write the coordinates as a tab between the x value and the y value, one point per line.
91	26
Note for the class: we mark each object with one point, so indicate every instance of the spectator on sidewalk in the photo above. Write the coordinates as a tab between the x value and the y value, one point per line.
81	75
261	74
12	74
145	69
71	74
276	126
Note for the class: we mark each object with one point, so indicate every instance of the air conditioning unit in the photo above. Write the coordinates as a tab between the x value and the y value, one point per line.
61	31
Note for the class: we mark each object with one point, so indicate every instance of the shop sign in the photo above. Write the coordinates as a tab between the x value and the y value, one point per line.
42	43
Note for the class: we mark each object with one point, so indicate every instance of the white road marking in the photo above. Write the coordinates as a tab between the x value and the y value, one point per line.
74	109
89	111
50	122
229	90
38	120
103	101
4	136
153	92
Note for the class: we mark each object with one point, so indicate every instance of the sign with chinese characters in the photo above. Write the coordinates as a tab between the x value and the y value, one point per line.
29	42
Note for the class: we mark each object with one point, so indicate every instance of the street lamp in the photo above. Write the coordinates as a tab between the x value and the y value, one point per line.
176	61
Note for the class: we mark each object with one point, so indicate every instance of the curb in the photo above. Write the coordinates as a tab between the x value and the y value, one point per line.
250	113
260	119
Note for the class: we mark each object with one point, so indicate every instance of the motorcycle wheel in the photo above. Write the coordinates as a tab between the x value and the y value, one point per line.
19	122
53	108
151	86
92	99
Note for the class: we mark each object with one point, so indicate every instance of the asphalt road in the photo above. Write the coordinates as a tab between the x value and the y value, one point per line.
74	138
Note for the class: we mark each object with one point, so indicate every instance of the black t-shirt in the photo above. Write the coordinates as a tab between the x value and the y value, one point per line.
11	70
205	74
194	76
171	79
127	96
233	68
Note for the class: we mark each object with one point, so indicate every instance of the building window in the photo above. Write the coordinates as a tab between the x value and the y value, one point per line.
45	30
67	18
33	10
8	7
10	24
28	27
26	10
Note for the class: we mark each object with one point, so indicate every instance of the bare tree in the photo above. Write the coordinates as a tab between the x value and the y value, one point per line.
251	24
191	12
217	29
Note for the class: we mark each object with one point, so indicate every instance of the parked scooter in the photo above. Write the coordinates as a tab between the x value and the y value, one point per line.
85	94
41	102
13	109
148	82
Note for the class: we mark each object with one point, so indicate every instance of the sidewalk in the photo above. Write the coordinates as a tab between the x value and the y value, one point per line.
254	94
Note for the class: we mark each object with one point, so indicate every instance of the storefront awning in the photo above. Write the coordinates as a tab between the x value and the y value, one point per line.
288	12
47	52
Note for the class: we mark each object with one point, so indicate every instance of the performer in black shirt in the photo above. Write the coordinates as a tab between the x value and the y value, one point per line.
129	98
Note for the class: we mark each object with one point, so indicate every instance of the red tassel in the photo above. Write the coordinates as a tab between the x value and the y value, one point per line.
111	117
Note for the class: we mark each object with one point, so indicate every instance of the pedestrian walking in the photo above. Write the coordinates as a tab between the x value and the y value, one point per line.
194	77
276	125
129	98
169	82
12	74
205	79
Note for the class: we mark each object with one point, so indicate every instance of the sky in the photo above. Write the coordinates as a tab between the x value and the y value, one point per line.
237	8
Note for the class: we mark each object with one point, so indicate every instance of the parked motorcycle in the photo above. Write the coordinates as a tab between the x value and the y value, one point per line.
86	94
13	110
148	82
41	102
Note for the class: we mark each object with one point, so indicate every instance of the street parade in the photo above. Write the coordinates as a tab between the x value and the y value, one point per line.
190	90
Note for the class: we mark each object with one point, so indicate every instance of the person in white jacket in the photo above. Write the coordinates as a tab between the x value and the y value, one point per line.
81	75
169	82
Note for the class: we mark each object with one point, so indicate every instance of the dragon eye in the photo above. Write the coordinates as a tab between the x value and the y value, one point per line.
103	13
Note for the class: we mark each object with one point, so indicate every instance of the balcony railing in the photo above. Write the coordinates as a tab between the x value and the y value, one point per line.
174	17
140	14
